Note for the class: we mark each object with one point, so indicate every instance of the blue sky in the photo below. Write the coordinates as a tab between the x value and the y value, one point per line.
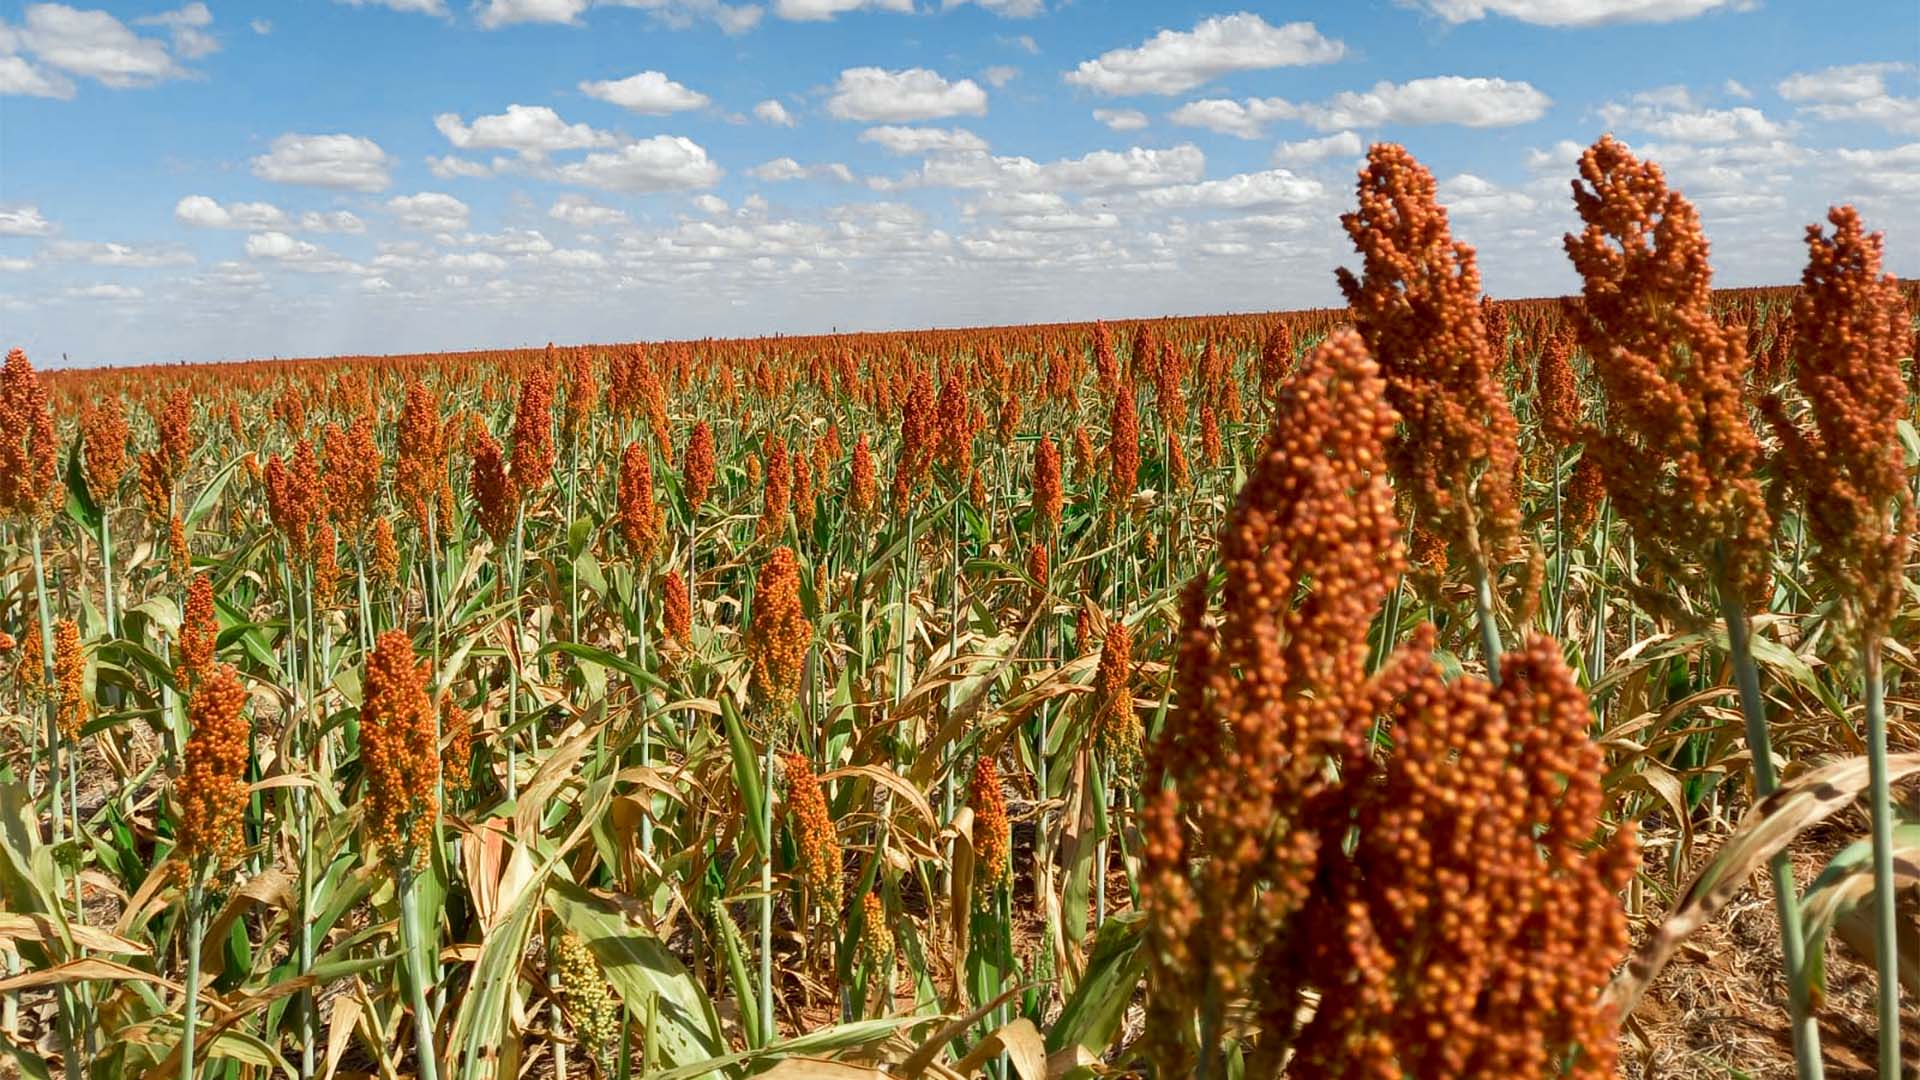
228	180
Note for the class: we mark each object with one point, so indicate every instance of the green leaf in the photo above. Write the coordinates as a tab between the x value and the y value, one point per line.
589	654
210	495
80	506
746	775
1092	1015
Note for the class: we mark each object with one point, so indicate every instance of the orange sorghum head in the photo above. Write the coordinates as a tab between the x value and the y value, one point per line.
212	791
199	630
1851	327
676	612
103	427
638	514
699	465
1679	455
496	498
29	456
1556	392
1039	566
1116	727
1123	447
179	555
326	567
1416	304
804	504
71	707
583	393
1210	448
992	837
386	555
777	488
420	461
864	486
1585	490
1267	697
533	452
174	424
352	474
1472	921
1048	494
456	741
876	938
814	838
401	762
778	635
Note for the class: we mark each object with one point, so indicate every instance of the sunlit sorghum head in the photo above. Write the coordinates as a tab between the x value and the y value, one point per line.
676	611
1085	464
212	789
641	522
1039	567
29	456
420	462
1556	392
918	440
398	753
1851	328
1678	453
326	566
1416	304
814	839
864	484
103	439
386	555
804	504
1586	489
1116	727
953	428
1471	919
778	636
1210	447
1104	366
776	488
456	745
495	497
1048	493
71	707
1264	700
1123	448
174	424
583	393
698	466
199	630
1276	358
992	837
179	555
352	475
533	451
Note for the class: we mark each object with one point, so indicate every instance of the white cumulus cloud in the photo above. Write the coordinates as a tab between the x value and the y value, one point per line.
909	141
531	130
650	93
1174	61
351	162
1577	12
819	10
772	112
661	163
429	211
878	95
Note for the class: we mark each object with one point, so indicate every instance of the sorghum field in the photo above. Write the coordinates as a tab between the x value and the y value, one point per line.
1434	687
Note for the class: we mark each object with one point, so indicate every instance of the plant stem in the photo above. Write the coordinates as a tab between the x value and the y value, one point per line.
1793	947
428	1066
1886	945
190	1010
1483	613
767	1025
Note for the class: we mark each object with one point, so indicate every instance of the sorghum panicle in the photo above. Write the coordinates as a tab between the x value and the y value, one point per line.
212	789
71	707
992	838
698	467
398	753
199	631
1416	304
778	635
1679	455
814	838
1116	727
103	436
590	1006
1851	325
1048	495
641	521
29	456
496	498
